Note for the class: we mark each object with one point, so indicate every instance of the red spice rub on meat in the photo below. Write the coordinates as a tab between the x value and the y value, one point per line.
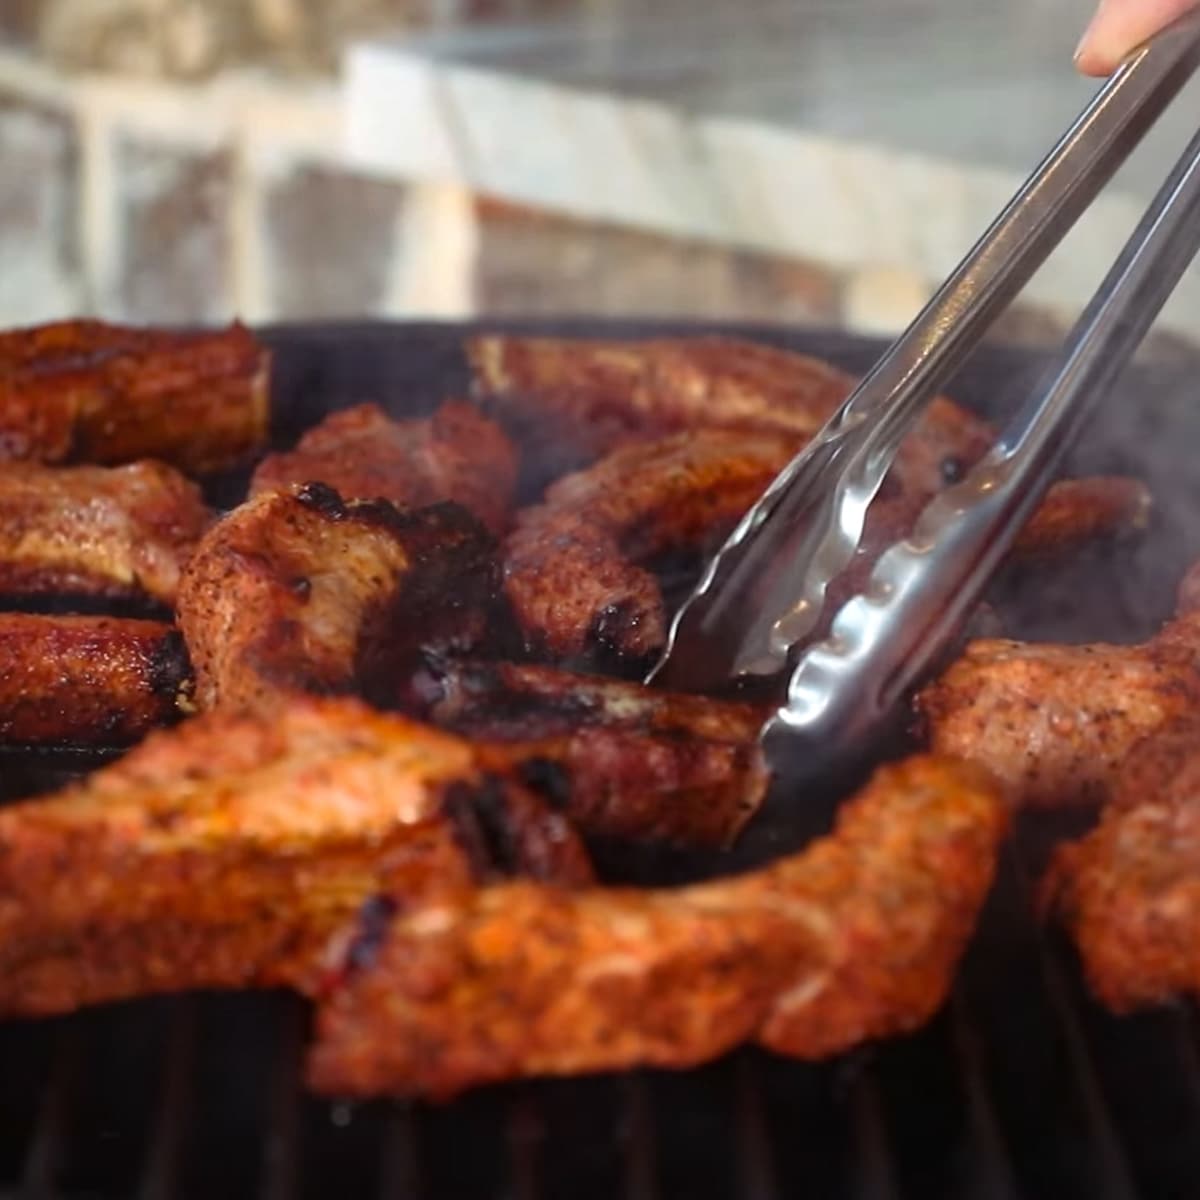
1056	722
1129	892
83	391
456	454
855	938
228	852
574	566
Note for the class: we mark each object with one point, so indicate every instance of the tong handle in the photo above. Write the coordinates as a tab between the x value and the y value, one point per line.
922	589
764	590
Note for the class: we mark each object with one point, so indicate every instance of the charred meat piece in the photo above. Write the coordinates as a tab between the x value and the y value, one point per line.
301	592
620	760
97	531
576	400
1129	892
576	566
574	569
456	454
86	392
227	852
1056	722
87	681
855	938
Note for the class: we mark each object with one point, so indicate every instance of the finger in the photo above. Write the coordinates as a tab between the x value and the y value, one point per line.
1120	26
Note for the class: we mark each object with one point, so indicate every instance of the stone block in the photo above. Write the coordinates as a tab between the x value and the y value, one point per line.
330	243
173	258
38	250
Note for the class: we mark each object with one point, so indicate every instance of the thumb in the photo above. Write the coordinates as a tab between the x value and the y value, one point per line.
1122	25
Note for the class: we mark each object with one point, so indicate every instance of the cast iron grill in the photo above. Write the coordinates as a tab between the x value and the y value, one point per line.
1020	1089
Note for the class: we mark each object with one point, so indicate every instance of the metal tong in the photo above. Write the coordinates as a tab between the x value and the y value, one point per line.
763	593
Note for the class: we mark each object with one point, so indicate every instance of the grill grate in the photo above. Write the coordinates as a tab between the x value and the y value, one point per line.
1021	1090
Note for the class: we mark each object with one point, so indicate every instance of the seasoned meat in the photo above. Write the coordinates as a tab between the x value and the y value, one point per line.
99	531
86	392
87	681
1078	511
619	759
1056	722
300	591
457	454
574	569
855	938
1129	892
576	566
576	400
227	852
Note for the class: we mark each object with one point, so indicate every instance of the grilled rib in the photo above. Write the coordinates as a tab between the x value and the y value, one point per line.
87	681
83	391
574	569
576	400
576	566
301	592
620	760
1129	892
1054	722
98	531
227	852
855	938
456	454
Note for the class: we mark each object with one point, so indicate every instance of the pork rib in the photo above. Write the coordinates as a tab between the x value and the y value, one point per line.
575	566
301	592
97	531
456	454
87	682
1054	722
855	938
86	392
227	852
1129	892
619	759
577	400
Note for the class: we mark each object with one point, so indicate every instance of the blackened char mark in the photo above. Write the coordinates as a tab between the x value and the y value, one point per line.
374	920
551	780
321	498
482	824
609	633
170	669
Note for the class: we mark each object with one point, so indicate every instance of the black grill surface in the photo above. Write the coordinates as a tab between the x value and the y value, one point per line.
1021	1088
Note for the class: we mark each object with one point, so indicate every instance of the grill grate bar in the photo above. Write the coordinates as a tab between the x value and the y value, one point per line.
641	1167
992	1175
281	1145
526	1135
756	1177
38	1180
1187	1035
400	1169
161	1171
872	1170
1113	1178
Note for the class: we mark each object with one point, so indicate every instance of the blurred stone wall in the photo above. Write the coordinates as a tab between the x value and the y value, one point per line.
147	178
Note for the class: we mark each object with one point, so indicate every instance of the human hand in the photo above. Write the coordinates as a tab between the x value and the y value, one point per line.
1121	25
